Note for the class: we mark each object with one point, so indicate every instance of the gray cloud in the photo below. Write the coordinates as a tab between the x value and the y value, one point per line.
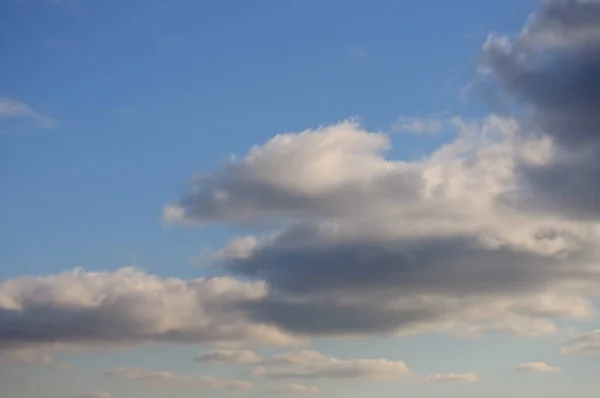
553	69
362	286
587	344
127	306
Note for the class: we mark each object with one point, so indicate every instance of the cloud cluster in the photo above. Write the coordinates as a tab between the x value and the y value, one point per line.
373	245
496	231
169	379
483	235
536	367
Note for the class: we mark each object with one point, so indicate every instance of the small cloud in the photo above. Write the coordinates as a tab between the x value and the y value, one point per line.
295	388
241	357
417	125
454	378
356	53
306	364
11	109
536	367
98	394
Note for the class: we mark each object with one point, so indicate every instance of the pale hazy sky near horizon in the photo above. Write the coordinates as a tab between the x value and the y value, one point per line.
299	198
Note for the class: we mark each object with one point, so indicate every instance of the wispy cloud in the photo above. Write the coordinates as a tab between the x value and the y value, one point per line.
454	378
161	378
418	125
295	388
15	109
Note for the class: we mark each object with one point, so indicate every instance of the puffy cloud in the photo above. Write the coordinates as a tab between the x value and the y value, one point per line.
332	170
127	306
307	364
454	378
229	356
294	388
552	69
168	379
587	344
14	109
536	367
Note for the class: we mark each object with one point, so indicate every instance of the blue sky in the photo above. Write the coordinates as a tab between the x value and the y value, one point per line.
109	108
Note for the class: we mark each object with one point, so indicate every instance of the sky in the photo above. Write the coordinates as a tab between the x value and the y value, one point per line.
299	198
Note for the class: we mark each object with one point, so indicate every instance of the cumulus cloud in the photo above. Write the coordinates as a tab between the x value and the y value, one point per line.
128	306
454	378
331	170
308	364
551	70
294	388
169	379
14	109
587	344
242	357
536	367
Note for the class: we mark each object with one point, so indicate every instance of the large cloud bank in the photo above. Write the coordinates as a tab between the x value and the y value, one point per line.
496	231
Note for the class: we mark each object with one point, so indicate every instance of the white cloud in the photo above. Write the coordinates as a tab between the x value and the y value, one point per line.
587	344
536	367
308	364
229	356
454	378
294	388
169	379
14	109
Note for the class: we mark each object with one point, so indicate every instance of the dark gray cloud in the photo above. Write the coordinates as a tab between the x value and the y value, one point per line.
319	286
553	69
